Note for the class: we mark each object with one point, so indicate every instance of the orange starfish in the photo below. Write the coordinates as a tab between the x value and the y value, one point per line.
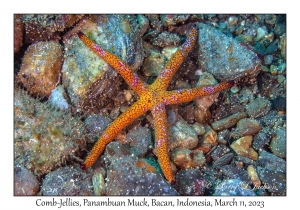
152	97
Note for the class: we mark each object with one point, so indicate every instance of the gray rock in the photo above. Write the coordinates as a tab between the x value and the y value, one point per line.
68	181
262	138
271	162
219	151
233	187
258	107
224	160
225	57
96	124
278	143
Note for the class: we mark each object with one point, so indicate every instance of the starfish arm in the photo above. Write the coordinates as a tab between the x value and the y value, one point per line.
165	76
132	113
185	95
131	78
161	137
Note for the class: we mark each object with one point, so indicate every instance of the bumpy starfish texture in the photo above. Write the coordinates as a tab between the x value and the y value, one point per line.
152	97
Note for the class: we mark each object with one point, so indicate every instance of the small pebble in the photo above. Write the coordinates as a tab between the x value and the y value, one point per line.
261	32
246	127
228	121
262	138
259	107
268	59
199	128
208	140
279	103
224	160
242	147
235	172
98	180
233	20
253	176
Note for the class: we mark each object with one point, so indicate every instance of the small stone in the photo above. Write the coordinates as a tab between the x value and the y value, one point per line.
262	138
208	140
170	20
279	103
273	119
234	89
246	127
154	62
268	59
281	68
233	20
242	147
245	161
246	95
185	158
265	69
165	39
139	140
58	98
41	65
261	32
259	107
224	160
25	183
253	176
273	181
190	182
202	116
223	136
281	79
260	48
233	187
68	181
249	39
270	161
199	128
280	29
235	172
272	48
282	46
228	122
278	143
98	180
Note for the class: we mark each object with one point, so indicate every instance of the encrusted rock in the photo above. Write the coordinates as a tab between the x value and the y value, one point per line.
185	158
233	187
154	61
246	127
200	129
88	78
258	107
165	39
182	135
225	57
68	181
282	45
242	147
190	182
228	121
41	65
219	151
25	183
278	143
45	138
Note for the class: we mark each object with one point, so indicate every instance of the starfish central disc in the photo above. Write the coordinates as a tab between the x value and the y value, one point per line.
153	97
